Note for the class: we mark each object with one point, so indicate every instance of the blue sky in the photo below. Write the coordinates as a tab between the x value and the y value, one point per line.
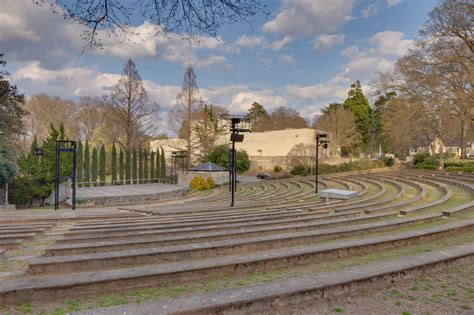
303	55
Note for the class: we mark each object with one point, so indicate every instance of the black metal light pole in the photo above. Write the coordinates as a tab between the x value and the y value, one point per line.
238	124
321	140
59	149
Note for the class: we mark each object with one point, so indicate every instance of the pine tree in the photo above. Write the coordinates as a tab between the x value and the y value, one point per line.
128	167
121	166
358	104
87	164
158	163
34	146
94	166
145	165
102	165
140	165
80	164
134	167
152	165
163	165
113	164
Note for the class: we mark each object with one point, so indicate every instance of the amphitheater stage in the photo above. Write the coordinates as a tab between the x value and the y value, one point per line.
127	194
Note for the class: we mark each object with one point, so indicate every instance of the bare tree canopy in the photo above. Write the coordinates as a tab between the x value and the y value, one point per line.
190	18
186	111
342	126
131	111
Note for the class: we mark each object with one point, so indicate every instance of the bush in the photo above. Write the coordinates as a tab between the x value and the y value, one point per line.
459	166
277	169
299	170
210	182
388	161
21	192
199	183
220	156
423	161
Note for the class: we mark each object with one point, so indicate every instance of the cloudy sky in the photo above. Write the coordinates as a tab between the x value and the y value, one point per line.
303	55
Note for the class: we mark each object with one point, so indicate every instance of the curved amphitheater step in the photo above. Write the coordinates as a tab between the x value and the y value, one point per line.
279	233
304	292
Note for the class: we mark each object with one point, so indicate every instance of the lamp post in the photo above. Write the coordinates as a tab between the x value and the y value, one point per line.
321	140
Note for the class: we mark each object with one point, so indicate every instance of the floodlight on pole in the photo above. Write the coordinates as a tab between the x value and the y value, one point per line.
322	140
237	124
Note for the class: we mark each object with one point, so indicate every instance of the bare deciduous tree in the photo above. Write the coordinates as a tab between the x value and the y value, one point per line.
45	110
131	111
185	17
186	111
301	154
91	115
341	125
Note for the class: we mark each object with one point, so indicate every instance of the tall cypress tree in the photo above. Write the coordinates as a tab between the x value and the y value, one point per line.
128	167
94	166
163	165
158	163
102	165
140	165
113	164
80	163
121	166
152	165
87	164
134	166
145	165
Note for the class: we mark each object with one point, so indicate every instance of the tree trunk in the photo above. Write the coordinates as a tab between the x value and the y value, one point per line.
463	139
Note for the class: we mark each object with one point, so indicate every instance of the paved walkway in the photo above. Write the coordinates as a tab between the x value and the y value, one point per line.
125	190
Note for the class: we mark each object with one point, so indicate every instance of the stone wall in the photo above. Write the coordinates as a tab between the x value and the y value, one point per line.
131	199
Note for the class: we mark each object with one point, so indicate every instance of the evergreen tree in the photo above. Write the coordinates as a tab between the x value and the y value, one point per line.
152	165
128	167
34	146
145	165
140	165
87	164
163	164
80	163
358	104
134	167
41	172
121	166
94	166
158	163
102	165
113	164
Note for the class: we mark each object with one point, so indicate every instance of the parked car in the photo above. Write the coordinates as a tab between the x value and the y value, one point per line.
264	176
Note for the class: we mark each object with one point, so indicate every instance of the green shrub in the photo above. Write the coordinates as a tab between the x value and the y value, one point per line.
210	182
21	192
277	168
299	170
199	183
388	161
423	161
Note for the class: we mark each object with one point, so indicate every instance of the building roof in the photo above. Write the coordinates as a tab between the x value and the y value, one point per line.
208	167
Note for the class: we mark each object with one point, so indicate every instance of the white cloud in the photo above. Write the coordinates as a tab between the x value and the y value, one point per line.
350	51
250	41
279	44
320	93
287	59
383	49
309	17
391	43
392	3
30	32
370	10
325	42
